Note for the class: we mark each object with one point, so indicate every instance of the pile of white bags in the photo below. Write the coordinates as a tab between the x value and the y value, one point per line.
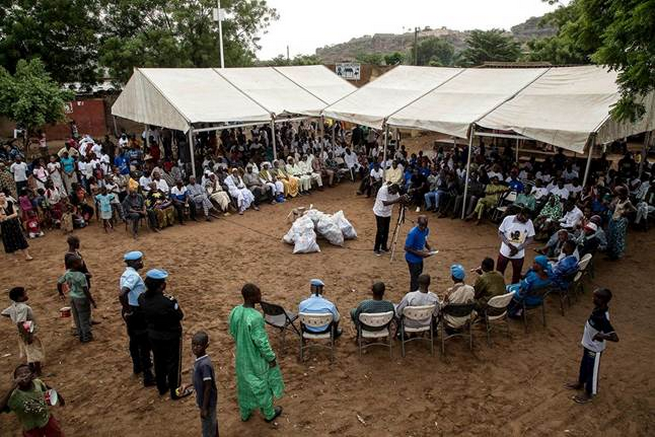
334	228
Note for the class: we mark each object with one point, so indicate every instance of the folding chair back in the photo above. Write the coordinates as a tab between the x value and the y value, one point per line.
277	317
376	320
458	310
315	320
584	262
419	313
497	306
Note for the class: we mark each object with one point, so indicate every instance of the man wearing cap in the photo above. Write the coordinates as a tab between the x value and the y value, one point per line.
131	287
163	318
459	293
317	304
256	185
416	249
588	242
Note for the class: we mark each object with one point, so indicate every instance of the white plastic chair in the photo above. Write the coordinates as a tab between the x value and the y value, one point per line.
466	330
316	320
503	203
496	311
374	320
418	314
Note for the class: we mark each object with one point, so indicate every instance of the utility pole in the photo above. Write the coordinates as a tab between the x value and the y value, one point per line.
416	30
288	54
219	16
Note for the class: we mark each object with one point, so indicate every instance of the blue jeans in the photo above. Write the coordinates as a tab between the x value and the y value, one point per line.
433	195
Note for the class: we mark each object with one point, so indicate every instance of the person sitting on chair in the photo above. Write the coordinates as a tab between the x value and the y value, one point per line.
420	297
375	305
317	304
566	267
458	294
490	283
535	278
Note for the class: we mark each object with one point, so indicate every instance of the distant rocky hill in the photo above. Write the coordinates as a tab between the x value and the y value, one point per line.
384	43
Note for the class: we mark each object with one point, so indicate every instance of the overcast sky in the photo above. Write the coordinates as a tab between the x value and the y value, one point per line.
305	25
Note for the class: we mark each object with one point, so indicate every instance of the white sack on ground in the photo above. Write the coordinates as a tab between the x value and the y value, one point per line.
348	230
328	228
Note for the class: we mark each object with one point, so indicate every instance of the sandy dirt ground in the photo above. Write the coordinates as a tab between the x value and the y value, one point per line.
514	388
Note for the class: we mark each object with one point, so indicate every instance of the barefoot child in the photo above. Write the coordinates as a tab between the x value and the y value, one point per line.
21	315
204	383
80	297
106	211
596	331
29	399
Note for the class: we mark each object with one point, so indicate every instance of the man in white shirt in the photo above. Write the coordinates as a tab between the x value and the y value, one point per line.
422	296
574	188
19	170
539	191
162	185
569	174
351	163
515	232
306	166
387	196
572	216
144	182
560	190
460	293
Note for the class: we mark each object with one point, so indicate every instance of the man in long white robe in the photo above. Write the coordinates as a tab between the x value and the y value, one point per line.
295	170
239	192
306	166
272	182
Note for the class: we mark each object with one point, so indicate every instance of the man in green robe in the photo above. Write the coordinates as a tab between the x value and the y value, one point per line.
258	376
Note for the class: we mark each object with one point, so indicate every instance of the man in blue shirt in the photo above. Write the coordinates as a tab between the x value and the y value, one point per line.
122	162
416	249
317	304
131	287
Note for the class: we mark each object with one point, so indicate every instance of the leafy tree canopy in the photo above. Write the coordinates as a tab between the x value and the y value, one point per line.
488	46
435	51
30	97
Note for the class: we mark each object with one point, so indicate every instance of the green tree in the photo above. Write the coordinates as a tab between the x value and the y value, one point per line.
63	34
394	58
370	58
488	46
620	34
281	61
179	33
435	51
31	98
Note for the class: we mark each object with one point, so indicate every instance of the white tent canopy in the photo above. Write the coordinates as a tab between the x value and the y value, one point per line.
455	105
318	80
374	102
179	98
273	91
567	105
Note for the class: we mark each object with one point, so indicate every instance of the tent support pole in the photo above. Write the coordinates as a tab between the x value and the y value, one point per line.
322	132
384	153
113	117
192	152
592	142
644	151
273	139
147	131
517	151
468	170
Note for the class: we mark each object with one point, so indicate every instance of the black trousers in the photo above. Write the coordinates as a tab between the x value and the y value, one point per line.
382	234
166	354
415	270
139	343
589	371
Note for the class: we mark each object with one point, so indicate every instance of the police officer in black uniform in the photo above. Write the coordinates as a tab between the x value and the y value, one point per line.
131	287
163	317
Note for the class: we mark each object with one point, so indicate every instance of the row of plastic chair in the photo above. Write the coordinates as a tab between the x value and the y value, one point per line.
378	332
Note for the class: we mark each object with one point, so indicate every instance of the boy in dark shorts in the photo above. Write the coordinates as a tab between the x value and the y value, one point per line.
204	384
597	330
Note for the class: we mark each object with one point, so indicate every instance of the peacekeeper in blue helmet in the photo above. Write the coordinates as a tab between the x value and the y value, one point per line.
131	287
163	317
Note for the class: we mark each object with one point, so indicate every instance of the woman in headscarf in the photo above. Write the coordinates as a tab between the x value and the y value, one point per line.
291	183
618	227
550	213
536	278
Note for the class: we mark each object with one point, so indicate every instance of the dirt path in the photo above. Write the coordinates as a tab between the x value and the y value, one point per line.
514	388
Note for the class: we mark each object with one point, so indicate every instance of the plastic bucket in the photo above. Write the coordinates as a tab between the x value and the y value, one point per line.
65	312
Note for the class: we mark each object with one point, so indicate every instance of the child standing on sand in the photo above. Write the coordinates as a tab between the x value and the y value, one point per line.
22	316
597	330
80	297
204	383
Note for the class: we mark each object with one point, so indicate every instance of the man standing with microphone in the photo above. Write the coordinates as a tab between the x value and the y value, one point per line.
416	249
